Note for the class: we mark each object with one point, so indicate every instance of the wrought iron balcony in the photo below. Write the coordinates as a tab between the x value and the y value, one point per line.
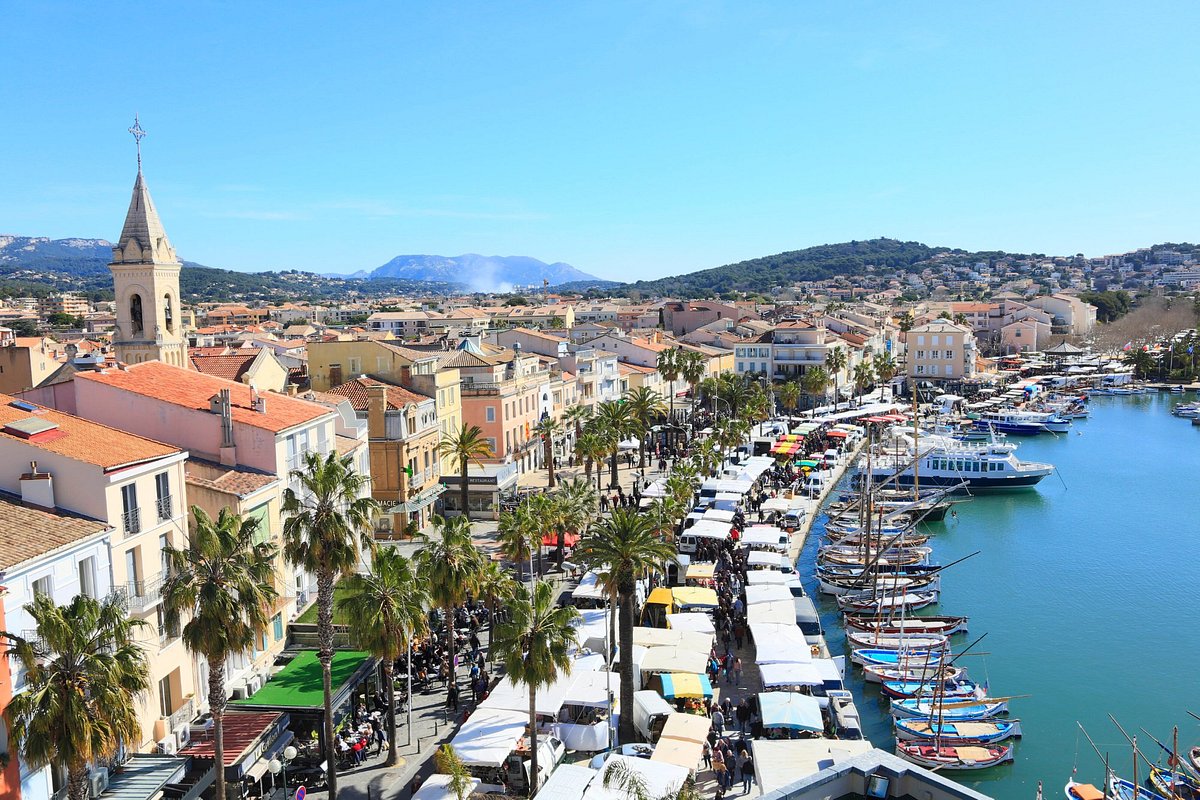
165	508
185	713
140	596
131	521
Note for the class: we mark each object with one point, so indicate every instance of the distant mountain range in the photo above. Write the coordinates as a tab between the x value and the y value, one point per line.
480	273
36	265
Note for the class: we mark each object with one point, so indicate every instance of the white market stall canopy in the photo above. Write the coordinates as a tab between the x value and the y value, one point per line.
510	696
775	612
763	558
658	779
671	659
767	593
489	735
682	740
709	529
714	485
696	621
437	787
766	577
656	489
753	469
779	643
589	588
789	674
765	536
776	504
670	637
591	689
718	515
791	710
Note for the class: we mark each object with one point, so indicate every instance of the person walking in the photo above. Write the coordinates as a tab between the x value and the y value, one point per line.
747	772
737	671
718	721
718	767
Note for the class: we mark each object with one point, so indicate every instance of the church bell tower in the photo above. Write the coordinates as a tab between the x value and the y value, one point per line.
146	279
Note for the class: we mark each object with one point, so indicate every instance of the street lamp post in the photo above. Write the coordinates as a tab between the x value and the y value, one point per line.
277	766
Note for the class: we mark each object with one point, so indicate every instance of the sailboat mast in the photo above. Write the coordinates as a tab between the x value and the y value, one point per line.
916	449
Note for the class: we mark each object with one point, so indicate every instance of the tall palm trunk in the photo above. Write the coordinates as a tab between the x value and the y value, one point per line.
533	742
613	471
462	476
216	704
452	675
548	454
77	783
389	688
625	592
560	545
325	655
587	468
641	451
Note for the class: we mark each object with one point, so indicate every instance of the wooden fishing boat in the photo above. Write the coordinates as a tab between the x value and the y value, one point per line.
1121	789
872	603
958	733
884	641
1194	758
1176	784
1082	791
839	586
878	673
946	626
874	540
895	659
954	758
949	709
887	573
953	689
858	556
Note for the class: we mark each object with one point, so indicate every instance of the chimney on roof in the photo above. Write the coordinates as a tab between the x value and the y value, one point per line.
376	412
257	401
225	408
37	488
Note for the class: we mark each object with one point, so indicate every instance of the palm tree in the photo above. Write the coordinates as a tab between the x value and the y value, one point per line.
534	645
692	369
591	448
864	374
575	507
669	367
324	527
465	446
448	763
615	422
84	674
815	382
386	611
543	511
645	406
577	415
885	367
627	547
448	563
225	580
517	534
494	585
789	395
1142	362
835	362
548	428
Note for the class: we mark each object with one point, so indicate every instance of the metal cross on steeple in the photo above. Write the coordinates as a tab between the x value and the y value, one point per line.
138	135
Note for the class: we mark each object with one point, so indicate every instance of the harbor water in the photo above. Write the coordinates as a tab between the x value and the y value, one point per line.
1088	588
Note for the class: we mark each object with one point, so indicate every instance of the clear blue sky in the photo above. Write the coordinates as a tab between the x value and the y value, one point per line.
631	139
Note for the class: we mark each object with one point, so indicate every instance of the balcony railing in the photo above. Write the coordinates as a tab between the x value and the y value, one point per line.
131	521
185	713
165	508
167	634
142	595
481	388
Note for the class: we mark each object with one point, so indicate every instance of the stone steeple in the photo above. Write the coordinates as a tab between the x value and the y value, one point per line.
144	230
146	281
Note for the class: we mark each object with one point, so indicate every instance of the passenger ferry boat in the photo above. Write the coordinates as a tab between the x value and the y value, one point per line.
969	466
1021	423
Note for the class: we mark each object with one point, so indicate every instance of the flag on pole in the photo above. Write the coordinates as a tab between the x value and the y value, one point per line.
1127	346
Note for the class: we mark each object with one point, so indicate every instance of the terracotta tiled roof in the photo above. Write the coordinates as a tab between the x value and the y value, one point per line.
356	391
230	367
27	532
239	482
241	730
190	389
81	439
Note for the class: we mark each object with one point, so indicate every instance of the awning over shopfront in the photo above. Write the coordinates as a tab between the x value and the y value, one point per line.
252	738
297	687
687	685
791	710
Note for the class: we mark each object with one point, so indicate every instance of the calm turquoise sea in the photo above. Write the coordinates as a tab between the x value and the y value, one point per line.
1089	590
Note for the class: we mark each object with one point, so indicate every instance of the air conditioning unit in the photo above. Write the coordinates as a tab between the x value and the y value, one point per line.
183	734
167	745
253	684
98	781
238	693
